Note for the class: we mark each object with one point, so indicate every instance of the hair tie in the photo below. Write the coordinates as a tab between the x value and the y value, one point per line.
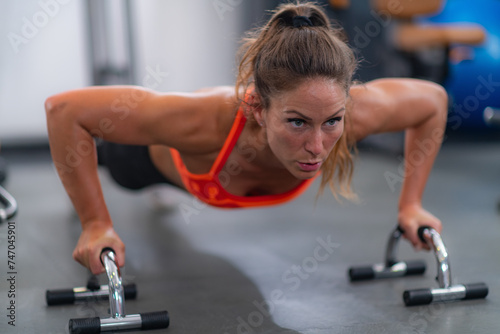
301	21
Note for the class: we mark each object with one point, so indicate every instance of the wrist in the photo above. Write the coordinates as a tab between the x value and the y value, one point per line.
409	204
97	224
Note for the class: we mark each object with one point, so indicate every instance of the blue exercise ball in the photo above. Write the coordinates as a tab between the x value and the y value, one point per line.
473	84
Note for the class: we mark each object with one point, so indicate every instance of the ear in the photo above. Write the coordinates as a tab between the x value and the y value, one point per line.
256	108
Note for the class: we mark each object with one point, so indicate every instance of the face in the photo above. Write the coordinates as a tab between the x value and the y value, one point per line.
303	125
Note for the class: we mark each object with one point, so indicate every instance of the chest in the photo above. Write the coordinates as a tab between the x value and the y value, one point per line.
242	175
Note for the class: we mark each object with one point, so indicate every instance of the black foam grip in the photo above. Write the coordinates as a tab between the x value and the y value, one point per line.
475	290
420	232
155	320
415	267
130	291
60	297
85	326
361	273
417	297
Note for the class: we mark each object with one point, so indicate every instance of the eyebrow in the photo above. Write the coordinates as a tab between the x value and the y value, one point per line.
309	118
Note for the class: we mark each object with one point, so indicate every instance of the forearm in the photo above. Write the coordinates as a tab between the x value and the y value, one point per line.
422	144
419	108
74	156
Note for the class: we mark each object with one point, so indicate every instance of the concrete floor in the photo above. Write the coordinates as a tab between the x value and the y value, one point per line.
265	270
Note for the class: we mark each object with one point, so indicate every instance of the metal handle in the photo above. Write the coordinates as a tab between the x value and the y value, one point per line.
392	243
10	205
116	295
391	267
433	239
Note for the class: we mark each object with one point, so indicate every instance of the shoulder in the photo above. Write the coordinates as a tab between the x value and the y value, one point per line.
202	118
203	101
365	102
391	104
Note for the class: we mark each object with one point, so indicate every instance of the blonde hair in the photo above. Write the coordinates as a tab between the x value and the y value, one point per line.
296	44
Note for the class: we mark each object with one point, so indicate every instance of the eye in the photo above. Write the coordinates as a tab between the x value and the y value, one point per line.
296	122
333	121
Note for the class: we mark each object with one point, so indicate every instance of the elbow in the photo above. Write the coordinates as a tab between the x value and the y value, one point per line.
53	104
439	112
56	108
58	114
440	102
435	106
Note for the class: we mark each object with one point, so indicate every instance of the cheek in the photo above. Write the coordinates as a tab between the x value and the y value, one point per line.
292	143
334	138
282	142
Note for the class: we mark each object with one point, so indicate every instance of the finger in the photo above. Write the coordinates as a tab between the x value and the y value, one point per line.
79	258
437	226
425	246
95	264
421	244
96	267
97	270
415	240
120	254
120	259
415	243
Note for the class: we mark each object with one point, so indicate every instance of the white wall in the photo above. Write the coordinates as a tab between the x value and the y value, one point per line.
42	52
193	41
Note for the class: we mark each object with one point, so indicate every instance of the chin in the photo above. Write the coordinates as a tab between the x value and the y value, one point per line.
303	175
308	175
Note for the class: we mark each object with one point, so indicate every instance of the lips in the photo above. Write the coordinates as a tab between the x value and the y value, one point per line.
309	166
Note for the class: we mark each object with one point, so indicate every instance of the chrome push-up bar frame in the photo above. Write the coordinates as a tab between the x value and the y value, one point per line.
116	292
393	268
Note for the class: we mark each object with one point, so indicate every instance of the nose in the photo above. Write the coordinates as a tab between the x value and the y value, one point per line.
314	144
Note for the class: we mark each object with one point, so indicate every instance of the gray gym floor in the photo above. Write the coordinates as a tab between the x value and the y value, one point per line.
274	270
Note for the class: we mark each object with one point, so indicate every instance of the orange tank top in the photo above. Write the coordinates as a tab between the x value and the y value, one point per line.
207	187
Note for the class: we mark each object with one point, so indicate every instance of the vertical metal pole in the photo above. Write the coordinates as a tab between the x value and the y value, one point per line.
129	27
96	40
105	28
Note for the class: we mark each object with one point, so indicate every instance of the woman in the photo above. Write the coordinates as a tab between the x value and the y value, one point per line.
293	114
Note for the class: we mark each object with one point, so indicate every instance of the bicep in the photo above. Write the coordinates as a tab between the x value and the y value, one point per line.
392	105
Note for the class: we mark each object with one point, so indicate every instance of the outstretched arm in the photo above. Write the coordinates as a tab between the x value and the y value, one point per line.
420	108
128	115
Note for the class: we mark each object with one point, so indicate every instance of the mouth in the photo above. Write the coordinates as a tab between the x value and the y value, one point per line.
309	166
